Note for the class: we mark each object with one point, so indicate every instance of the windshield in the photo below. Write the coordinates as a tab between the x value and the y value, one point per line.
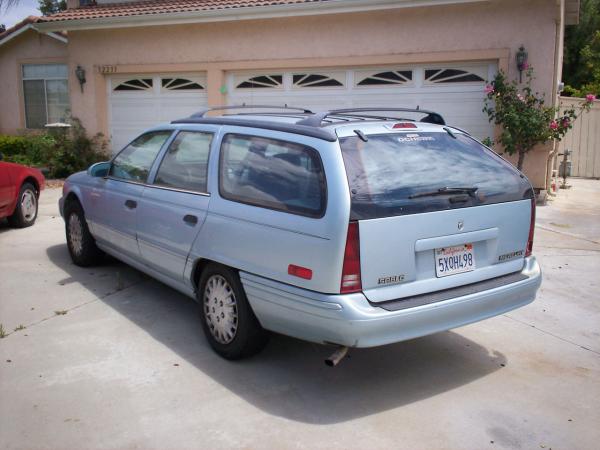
386	174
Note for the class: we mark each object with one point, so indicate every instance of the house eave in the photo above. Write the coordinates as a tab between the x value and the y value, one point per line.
28	27
235	14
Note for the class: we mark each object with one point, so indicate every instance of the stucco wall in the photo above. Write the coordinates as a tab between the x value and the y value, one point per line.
318	40
29	47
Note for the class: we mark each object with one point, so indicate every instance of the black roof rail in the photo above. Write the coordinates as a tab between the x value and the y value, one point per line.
317	118
202	113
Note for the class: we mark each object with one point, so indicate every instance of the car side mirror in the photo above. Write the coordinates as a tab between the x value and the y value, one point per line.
99	169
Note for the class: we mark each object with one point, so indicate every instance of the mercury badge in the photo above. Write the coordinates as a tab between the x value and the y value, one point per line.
461	225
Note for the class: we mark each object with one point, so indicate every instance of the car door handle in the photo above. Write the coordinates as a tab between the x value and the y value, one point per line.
130	204
190	219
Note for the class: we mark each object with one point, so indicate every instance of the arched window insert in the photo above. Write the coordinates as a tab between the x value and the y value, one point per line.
386	78
314	80
180	84
137	84
262	82
451	76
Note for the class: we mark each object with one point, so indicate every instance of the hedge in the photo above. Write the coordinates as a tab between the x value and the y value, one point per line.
59	153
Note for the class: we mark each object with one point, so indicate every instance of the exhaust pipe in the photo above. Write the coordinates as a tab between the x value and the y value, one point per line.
336	356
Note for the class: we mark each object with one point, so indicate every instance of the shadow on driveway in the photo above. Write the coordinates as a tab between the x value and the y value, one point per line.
289	379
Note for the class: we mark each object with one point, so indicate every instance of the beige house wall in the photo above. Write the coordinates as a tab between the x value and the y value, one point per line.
476	31
490	31
29	47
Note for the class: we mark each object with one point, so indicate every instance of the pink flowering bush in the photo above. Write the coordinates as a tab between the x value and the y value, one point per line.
525	119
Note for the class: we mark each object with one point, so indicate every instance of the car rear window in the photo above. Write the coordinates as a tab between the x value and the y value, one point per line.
387	170
272	174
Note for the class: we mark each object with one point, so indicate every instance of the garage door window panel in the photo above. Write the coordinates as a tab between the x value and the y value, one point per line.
393	78
306	80
438	76
262	82
138	84
135	160
185	165
180	84
46	94
272	174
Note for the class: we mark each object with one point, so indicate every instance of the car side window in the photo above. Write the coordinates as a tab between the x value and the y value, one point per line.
185	165
135	160
272	174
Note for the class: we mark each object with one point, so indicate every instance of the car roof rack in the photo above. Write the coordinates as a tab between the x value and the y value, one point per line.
317	119
202	113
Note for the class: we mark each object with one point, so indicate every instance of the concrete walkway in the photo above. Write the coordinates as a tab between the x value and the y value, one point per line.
109	358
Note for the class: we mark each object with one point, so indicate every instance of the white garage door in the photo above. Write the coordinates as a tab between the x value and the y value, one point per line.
140	102
455	91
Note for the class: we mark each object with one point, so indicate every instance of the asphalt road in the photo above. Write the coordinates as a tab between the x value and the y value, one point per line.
109	358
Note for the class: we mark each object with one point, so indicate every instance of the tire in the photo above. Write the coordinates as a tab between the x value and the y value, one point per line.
26	210
232	330
80	242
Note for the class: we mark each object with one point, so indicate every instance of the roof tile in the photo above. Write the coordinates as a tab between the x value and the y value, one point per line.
151	7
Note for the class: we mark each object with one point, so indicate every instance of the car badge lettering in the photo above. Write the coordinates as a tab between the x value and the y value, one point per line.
391	279
510	255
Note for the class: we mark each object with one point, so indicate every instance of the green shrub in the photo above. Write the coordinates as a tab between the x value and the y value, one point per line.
60	151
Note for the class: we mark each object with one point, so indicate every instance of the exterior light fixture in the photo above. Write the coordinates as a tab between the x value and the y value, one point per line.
80	74
522	63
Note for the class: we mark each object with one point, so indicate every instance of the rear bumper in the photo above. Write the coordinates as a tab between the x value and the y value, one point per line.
352	321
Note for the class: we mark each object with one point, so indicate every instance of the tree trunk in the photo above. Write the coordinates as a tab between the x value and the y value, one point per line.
521	160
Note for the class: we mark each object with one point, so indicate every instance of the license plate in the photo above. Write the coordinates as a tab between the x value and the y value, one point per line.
453	260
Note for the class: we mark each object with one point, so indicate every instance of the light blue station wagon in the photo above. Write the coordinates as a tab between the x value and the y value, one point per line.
354	228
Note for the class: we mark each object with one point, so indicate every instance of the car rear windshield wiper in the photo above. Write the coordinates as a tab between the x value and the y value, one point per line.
447	191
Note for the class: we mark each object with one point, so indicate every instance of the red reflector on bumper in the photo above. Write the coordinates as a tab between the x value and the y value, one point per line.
301	272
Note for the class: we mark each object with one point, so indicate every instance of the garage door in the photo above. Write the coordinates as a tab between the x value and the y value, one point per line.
140	102
455	91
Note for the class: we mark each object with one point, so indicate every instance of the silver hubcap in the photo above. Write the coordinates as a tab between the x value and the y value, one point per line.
220	309
75	233
28	205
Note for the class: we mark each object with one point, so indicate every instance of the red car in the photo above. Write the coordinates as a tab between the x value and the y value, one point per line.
20	188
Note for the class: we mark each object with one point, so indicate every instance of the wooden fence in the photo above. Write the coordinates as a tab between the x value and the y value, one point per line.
583	140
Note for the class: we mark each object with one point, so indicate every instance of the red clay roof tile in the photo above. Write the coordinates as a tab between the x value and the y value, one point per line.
152	7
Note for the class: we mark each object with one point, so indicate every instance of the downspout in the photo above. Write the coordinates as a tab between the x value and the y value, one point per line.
559	35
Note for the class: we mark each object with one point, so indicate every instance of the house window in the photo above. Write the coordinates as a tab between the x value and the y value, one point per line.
46	94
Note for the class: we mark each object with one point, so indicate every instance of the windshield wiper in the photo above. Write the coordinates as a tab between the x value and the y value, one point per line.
447	191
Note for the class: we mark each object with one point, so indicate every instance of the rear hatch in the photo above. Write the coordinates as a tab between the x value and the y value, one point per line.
435	210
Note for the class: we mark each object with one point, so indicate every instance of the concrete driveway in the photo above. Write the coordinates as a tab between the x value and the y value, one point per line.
109	358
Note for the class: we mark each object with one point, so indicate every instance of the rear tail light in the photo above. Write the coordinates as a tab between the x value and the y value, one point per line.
529	249
351	268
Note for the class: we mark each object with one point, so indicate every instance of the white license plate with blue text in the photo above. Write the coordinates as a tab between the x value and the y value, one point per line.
453	260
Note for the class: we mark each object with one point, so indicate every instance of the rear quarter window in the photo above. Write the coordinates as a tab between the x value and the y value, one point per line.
273	174
385	172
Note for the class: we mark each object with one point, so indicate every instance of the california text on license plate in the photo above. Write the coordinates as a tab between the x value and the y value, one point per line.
453	260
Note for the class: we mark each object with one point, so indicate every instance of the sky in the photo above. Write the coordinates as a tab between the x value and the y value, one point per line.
18	12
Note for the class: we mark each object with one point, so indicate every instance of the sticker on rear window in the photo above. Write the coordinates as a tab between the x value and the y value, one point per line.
414	138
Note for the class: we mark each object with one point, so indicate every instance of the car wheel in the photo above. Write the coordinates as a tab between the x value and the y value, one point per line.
80	242
229	323
26	210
